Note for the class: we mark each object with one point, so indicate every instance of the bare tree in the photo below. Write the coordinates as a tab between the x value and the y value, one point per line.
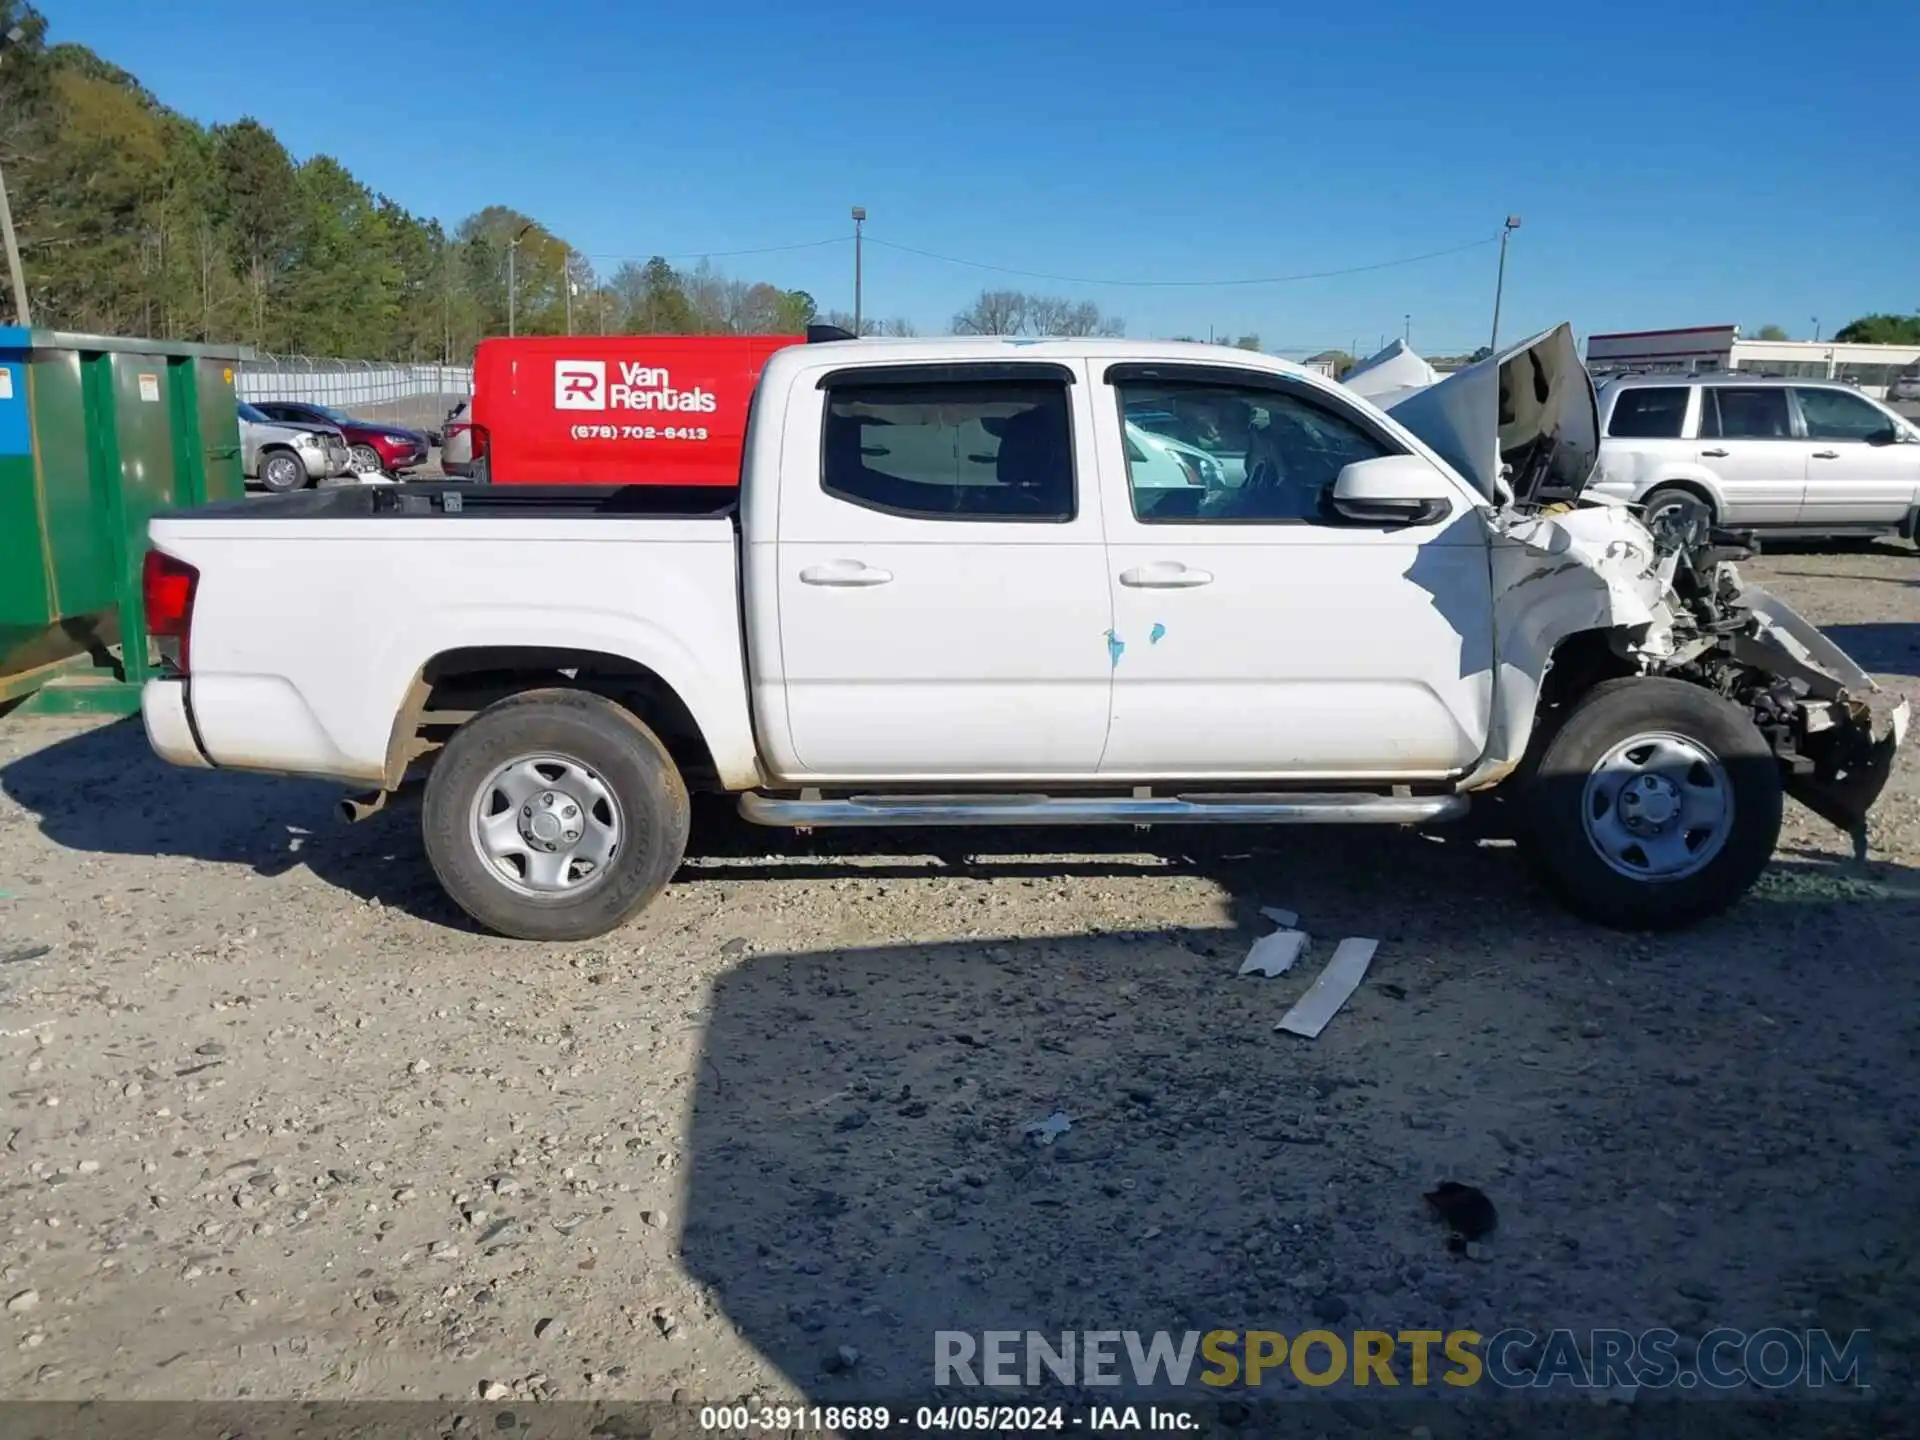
898	328
1014	312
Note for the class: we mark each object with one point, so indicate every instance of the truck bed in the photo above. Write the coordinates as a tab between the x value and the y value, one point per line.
453	498
316	612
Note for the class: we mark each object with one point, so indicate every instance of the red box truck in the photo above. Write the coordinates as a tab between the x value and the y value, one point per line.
615	409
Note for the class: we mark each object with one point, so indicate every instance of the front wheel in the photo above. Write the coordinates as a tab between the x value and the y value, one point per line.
1657	804
554	815
364	459
282	472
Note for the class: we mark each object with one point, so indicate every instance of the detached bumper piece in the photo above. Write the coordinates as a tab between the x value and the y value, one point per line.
1849	730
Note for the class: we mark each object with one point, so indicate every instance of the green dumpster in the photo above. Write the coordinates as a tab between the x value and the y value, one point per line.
97	433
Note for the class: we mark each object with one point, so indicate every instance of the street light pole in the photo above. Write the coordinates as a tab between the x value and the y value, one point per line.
1511	224
859	220
1406	336
16	274
513	277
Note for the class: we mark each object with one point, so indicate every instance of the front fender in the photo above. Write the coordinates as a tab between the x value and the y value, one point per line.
1557	574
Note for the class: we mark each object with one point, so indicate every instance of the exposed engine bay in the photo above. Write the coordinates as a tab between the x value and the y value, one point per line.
1833	729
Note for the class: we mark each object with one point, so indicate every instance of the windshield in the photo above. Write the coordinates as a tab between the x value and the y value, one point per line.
252	416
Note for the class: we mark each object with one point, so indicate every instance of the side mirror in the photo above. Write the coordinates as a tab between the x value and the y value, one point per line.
1392	490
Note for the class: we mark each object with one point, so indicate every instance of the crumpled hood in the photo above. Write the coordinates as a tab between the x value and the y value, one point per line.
1522	425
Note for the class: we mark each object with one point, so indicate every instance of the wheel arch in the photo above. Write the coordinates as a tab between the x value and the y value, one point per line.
458	683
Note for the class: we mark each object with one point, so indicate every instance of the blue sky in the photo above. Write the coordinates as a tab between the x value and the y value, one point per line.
1673	164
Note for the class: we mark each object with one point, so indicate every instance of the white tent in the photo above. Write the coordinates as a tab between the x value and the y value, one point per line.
1392	375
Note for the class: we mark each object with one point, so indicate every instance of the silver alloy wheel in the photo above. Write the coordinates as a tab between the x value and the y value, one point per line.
546	825
284	472
1658	806
365	460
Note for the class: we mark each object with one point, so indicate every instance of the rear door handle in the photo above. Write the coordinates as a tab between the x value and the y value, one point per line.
844	572
1714	454
1164	575
1826	454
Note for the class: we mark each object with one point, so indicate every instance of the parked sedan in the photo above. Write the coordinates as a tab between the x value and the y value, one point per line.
1779	457
283	455
375	445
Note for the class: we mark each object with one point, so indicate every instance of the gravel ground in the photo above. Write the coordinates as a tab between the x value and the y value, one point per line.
279	1124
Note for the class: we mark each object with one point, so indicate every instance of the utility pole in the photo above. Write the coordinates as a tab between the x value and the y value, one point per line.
22	312
1511	224
1406	335
859	220
566	275
513	288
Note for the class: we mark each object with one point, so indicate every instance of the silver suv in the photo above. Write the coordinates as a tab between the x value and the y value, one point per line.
1778	457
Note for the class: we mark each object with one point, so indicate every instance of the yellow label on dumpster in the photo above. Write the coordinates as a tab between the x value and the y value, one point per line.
227	375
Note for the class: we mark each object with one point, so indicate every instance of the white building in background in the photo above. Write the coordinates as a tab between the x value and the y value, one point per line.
1719	347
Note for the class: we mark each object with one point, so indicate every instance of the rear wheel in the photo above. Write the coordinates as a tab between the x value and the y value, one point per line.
1656	804
282	471
554	815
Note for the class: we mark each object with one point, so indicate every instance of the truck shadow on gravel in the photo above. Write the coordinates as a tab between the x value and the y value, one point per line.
103	791
1680	1132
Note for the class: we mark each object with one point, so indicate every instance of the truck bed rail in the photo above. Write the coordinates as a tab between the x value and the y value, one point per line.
454	499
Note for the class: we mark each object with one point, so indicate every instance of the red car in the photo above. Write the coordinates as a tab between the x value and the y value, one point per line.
373	444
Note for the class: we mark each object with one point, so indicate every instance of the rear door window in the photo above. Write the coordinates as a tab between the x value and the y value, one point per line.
954	450
1729	412
1655	413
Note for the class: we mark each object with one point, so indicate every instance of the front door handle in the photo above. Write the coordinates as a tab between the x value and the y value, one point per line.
1826	454
1714	454
1164	575
844	572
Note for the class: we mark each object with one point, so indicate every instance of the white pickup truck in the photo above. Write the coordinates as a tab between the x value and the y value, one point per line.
942	595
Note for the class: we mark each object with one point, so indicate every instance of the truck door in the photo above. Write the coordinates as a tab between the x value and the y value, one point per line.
940	575
1265	634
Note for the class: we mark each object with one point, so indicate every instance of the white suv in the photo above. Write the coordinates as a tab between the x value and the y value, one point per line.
1778	457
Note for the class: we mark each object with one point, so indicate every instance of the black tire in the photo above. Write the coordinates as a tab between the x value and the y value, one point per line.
282	472
603	738
1663	496
365	460
1555	804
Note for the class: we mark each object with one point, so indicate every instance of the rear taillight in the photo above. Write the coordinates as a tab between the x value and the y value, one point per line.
167	586
479	435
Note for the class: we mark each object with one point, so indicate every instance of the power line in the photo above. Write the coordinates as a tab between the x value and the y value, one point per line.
723	254
1189	284
1058	278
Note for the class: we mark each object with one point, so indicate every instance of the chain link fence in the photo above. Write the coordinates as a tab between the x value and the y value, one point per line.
418	396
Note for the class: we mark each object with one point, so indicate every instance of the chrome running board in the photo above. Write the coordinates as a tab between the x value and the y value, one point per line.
1226	809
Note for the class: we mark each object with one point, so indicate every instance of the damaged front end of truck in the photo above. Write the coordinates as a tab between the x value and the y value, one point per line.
1834	730
1523	427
